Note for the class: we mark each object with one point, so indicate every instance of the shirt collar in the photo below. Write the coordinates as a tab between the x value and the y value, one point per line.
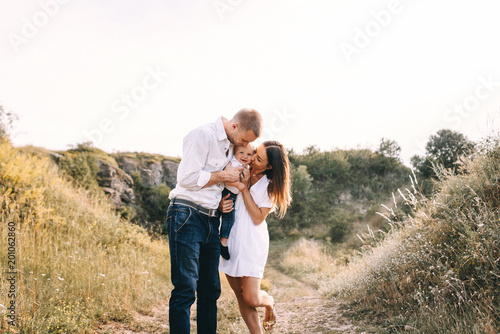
221	133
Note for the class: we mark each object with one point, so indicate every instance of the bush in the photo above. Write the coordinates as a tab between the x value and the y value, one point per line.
340	224
323	182
152	202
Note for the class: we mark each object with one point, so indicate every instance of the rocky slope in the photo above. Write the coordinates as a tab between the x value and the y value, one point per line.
118	181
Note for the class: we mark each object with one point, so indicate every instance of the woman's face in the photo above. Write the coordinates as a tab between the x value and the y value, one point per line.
259	159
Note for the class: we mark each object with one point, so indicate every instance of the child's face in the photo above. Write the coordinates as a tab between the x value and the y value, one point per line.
244	154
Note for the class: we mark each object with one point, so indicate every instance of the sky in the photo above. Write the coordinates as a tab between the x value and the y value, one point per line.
338	74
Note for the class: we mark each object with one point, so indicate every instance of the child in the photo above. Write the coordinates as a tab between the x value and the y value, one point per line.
242	157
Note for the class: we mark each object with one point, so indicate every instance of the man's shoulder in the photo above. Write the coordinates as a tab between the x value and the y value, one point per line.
206	130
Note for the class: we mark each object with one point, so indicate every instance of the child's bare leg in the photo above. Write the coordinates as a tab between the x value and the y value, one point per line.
223	241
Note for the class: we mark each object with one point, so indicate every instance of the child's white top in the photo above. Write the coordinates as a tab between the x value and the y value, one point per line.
234	163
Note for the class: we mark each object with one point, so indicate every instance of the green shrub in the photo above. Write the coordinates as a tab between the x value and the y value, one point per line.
340	224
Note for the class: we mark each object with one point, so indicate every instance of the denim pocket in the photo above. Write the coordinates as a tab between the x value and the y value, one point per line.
178	218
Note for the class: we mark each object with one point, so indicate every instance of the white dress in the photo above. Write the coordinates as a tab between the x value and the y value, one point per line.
248	243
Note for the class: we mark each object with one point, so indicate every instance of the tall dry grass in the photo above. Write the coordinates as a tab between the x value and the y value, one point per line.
77	263
438	271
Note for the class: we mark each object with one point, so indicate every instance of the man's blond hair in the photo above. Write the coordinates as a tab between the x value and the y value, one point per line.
249	119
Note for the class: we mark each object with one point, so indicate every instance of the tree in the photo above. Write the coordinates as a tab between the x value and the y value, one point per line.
446	147
389	148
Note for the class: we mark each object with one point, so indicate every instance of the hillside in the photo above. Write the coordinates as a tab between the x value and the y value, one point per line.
435	271
337	193
138	184
428	264
71	260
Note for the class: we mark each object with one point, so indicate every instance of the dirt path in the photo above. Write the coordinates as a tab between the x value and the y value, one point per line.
299	307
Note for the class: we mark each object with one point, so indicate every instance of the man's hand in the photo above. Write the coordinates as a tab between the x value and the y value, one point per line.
229	174
226	205
232	173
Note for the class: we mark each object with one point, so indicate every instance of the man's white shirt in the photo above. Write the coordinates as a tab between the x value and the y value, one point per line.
204	151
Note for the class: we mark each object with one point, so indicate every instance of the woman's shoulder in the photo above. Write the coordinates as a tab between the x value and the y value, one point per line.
260	185
263	182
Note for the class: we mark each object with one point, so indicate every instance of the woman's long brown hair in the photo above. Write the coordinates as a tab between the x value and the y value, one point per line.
279	188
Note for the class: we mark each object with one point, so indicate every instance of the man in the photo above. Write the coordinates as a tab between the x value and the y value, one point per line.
193	219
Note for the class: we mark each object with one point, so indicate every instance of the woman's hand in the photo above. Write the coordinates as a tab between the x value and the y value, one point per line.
242	184
225	205
244	180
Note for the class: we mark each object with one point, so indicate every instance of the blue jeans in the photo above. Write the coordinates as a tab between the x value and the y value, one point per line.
194	260
227	220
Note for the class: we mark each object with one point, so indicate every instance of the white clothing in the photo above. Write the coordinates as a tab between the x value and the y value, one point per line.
248	243
234	163
204	151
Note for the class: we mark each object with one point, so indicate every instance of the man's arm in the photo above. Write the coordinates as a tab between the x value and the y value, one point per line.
190	174
229	174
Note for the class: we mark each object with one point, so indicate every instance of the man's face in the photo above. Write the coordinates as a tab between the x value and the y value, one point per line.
241	138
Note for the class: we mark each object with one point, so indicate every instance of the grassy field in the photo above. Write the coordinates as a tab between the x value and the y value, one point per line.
77	264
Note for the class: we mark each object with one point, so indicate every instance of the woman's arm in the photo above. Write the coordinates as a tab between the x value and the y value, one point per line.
257	214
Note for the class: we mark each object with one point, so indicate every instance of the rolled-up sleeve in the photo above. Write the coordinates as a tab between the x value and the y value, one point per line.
195	149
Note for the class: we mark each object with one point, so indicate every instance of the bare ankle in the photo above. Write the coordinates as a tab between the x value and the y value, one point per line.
223	241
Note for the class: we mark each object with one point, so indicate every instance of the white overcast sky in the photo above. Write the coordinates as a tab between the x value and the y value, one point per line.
138	75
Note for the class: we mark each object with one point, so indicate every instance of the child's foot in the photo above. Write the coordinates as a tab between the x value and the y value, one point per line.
224	252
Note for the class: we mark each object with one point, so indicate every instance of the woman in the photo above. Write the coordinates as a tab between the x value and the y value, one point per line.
264	187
